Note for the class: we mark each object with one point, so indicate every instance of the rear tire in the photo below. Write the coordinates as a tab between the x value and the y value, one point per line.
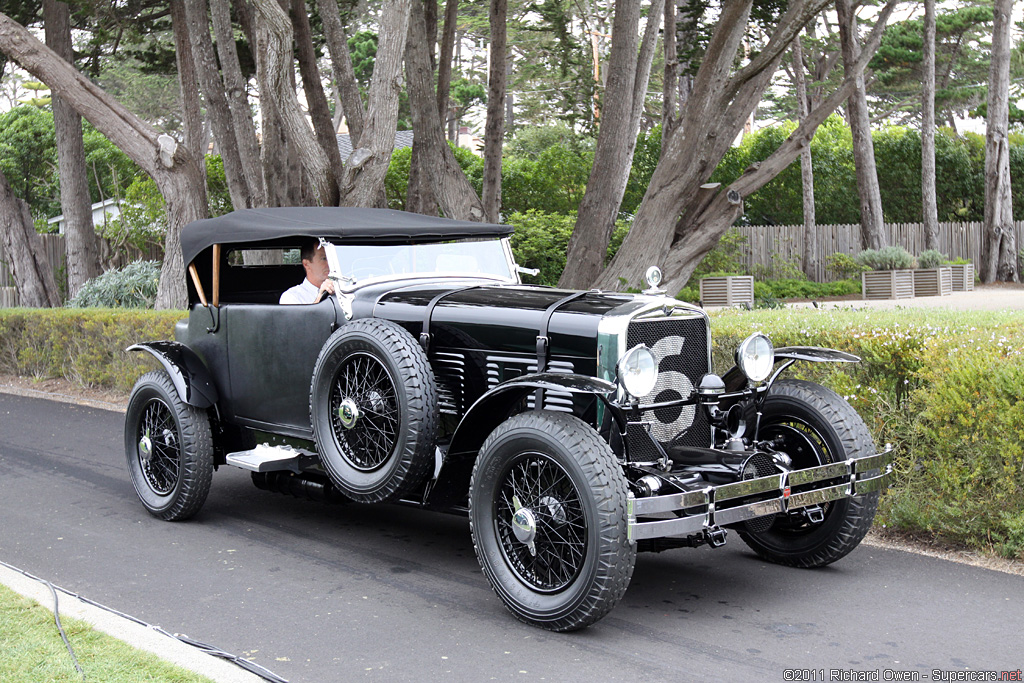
169	449
548	517
816	427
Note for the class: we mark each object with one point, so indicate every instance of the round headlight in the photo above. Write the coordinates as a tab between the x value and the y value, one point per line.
756	357
638	371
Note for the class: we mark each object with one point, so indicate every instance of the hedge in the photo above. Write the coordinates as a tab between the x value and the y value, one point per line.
944	387
86	346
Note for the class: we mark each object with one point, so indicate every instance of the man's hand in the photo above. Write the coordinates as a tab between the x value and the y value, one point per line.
327	287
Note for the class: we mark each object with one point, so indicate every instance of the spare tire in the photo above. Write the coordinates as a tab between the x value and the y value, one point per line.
373	407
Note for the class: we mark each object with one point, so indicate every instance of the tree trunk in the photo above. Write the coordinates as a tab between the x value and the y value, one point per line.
238	102
871	222
276	69
188	83
999	245
628	71
494	132
420	196
366	169
316	100
806	167
82	249
177	173
216	102
33	275
720	104
444	64
455	195
929	203
344	74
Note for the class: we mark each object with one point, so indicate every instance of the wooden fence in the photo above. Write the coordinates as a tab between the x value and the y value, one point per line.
55	249
775	248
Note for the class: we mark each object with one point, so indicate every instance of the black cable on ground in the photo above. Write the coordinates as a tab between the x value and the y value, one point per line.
64	637
240	662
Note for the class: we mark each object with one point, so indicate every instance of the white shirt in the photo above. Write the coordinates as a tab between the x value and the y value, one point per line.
303	293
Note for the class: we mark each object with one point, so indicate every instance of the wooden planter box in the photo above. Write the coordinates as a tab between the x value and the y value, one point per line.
963	277
933	282
888	284
731	290
8	297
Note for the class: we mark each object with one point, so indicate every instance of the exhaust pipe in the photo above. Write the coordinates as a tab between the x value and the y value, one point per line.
308	486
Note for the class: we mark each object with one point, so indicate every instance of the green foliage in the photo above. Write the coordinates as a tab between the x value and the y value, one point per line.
843	265
28	158
133	286
886	258
727	258
542	239
82	345
798	288
931	258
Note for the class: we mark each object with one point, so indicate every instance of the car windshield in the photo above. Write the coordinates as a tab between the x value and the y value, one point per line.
486	258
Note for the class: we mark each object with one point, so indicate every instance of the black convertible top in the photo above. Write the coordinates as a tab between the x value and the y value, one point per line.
342	224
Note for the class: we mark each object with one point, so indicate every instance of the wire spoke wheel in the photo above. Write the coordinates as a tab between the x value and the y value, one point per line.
169	448
159	447
547	508
540	488
371	439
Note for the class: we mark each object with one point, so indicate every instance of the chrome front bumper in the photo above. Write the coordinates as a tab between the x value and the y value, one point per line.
718	506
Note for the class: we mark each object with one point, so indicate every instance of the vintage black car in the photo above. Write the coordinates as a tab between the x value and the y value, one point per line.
574	428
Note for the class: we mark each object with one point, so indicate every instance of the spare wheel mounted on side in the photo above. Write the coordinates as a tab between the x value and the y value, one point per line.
373	407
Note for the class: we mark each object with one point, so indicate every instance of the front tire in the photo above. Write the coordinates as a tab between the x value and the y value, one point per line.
548	517
815	426
169	449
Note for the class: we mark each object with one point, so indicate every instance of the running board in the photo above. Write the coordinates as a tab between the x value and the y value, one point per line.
267	458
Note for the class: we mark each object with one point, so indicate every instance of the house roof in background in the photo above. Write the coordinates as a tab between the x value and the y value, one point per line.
403	138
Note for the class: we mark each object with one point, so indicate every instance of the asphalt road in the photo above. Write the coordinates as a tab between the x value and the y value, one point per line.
324	593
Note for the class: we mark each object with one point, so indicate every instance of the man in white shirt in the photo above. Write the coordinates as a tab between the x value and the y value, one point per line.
312	289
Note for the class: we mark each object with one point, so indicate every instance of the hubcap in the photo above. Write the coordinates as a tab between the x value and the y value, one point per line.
146	448
349	413
524	525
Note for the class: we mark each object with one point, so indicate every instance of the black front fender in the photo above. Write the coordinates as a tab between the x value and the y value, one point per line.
188	372
487	413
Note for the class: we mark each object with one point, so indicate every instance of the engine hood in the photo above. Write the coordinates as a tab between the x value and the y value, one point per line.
499	317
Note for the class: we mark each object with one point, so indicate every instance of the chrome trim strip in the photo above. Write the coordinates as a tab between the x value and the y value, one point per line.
749	487
680	526
670	503
818	496
871	462
752	511
819	473
872	484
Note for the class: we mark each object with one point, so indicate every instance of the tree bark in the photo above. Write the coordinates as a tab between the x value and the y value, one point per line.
344	74
806	167
217	108
420	195
871	221
82	248
366	169
444	64
33	275
929	202
316	100
716	111
628	74
188	83
175	170
455	195
276	68
494	131
238	102
999	258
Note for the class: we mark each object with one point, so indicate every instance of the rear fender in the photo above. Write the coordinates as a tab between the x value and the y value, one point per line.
488	412
188	372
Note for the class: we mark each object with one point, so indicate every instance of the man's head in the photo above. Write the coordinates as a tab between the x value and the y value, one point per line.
314	260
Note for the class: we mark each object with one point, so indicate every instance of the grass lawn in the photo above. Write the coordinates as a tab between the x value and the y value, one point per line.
31	650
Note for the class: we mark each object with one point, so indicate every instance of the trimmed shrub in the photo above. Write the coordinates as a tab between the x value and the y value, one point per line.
886	258
86	346
931	258
133	286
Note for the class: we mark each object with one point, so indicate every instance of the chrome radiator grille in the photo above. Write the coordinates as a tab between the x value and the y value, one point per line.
681	347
